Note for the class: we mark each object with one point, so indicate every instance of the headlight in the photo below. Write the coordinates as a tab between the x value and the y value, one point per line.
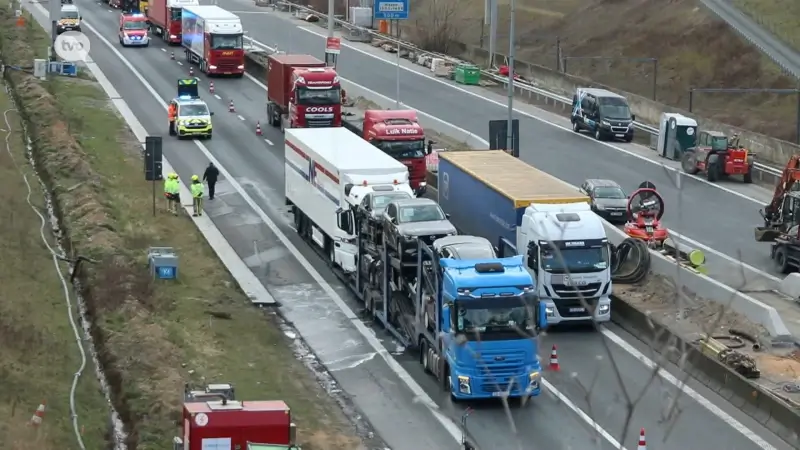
172	36
603	309
533	378
549	310
212	67
240	67
606	123
600	207
463	385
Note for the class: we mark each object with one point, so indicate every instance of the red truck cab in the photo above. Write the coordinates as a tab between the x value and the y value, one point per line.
399	134
231	424
302	93
165	18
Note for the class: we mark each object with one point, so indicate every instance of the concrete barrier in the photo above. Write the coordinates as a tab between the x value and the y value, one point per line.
755	401
699	284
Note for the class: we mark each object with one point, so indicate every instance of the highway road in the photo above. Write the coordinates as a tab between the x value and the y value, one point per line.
717	218
584	406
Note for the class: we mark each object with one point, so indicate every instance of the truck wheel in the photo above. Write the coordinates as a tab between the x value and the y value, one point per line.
331	252
782	260
712	172
748	176
423	356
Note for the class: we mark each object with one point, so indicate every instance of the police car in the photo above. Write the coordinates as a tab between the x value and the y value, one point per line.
193	117
133	30
69	20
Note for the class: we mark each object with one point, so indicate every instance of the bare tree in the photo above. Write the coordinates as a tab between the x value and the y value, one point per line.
438	25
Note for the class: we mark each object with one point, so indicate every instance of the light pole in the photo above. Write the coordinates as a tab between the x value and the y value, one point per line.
511	52
490	18
330	58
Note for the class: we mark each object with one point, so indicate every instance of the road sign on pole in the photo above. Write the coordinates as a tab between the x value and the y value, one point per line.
391	9
333	45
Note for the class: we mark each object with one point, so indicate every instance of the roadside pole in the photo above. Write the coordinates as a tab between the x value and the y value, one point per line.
511	52
54	11
395	10
330	57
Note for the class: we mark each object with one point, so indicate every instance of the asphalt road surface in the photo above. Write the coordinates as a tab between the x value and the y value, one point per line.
587	387
712	216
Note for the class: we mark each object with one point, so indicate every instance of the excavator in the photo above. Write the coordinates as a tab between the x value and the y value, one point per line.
781	219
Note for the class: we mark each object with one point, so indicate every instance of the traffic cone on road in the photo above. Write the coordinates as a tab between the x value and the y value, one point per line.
171	55
642	443
258	128
554	360
191	71
211	87
231	107
38	415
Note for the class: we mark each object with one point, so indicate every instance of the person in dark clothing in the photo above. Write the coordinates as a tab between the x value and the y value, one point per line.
210	176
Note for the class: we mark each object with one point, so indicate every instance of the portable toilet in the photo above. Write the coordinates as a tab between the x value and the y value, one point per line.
676	133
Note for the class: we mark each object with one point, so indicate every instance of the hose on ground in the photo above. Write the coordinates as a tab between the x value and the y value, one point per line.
747	337
733	341
630	261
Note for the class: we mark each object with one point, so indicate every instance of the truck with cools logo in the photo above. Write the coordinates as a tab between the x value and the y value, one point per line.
302	93
396	132
164	17
530	213
213	39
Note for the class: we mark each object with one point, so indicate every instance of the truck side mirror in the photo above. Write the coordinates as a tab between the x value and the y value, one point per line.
541	315
447	216
347	188
211	113
633	117
446	318
343	220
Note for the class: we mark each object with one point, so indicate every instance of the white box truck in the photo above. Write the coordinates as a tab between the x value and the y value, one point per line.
213	38
328	170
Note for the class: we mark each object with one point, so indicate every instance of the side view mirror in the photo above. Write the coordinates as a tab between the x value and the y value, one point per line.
341	220
633	117
211	113
420	191
447	215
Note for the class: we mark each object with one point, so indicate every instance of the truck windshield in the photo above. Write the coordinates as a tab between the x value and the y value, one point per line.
479	318
226	41
402	149
175	14
135	25
420	213
575	260
330	96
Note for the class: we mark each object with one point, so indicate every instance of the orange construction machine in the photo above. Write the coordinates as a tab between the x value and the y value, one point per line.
783	211
212	418
718	157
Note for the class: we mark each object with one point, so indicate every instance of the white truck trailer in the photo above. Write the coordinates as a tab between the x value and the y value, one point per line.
328	170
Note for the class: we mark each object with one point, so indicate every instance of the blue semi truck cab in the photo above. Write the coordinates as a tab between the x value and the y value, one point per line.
481	320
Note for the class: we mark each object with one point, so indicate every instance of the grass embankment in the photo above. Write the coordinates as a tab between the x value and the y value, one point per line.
152	336
781	17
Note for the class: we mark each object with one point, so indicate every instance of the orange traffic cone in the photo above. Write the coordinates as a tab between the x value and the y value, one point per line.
38	415
642	443
258	128
211	87
554	359
171	55
231	107
191	71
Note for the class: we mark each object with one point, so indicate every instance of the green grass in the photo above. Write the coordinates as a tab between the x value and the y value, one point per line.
39	355
782	17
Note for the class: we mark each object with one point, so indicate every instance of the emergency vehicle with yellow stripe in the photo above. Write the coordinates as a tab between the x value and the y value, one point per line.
193	118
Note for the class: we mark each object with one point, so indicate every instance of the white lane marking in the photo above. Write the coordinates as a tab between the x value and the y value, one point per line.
694	395
682	237
722	415
240	117
452	429
527	114
217	97
449	426
165	51
268	142
179	63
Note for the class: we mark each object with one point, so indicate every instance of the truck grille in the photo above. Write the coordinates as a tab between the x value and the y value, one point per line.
319	123
575	307
499	369
228	66
585	291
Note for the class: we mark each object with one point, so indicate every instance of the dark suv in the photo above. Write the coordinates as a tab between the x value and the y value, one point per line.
607	199
603	113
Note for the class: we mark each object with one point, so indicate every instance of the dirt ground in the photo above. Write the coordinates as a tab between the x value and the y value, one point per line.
691	317
152	336
693	49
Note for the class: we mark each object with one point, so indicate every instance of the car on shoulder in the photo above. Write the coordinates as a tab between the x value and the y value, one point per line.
607	199
193	118
133	29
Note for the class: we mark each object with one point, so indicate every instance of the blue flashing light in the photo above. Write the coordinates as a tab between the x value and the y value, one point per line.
185	97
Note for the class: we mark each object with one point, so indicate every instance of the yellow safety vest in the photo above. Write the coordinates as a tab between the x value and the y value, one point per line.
174	187
197	190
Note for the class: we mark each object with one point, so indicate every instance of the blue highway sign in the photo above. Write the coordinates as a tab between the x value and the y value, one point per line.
391	9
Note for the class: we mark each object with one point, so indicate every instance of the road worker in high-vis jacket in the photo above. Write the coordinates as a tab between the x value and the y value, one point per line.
197	196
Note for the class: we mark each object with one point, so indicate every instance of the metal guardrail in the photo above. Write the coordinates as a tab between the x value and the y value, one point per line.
292	7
